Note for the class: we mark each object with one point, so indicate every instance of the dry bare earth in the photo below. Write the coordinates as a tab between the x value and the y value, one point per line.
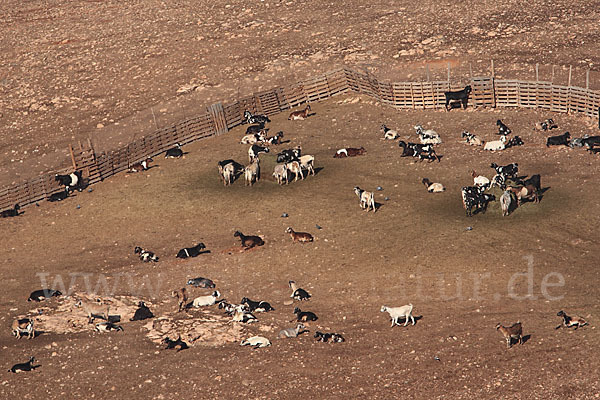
416	248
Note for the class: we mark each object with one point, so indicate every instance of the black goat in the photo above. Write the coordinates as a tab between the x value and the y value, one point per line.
24	367
533	180
591	141
43	294
289	155
201	282
274	139
515	141
558	140
249	242
324	337
13	212
460	95
503	129
73	180
172	344
142	313
145	255
59	196
255	150
547	125
174	152
305	316
510	170
191	251
255	118
258	306
256	129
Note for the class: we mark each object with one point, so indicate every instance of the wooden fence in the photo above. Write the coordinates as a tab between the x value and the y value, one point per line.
219	118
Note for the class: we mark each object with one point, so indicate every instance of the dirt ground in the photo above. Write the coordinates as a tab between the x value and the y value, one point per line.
463	275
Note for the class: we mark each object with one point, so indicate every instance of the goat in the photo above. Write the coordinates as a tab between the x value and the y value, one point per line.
546	125
182	298
396	313
59	196
304	316
483	200
515	331
201	283
528	192
191	251
502	129
324	337
480	180
460	95
472	139
255	150
514	141
280	173
470	195
428	136
12	212
388	133
107	327
294	168
252	172
367	199
300	115
301	237
533	180
70	181
289	155
291	332
243	316
140	166
251	138
298	293
274	139
422	151
510	170
506	202
590	141
496	145
24	367
307	162
43	294
227	174
558	140
249	242
206	300
174	152
145	255
433	187
569	322
230	309
23	326
256	342
257	306
172	344
142	313
94	309
255	118
349	152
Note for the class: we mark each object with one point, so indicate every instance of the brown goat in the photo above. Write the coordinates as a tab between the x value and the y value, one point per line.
301	237
249	242
300	115
182	298
515	331
349	152
528	192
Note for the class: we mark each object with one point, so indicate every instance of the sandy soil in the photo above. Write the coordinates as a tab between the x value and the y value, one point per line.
416	248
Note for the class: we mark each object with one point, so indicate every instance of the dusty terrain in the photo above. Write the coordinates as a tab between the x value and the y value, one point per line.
110	59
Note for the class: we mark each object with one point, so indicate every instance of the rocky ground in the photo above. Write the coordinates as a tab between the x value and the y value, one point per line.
111	70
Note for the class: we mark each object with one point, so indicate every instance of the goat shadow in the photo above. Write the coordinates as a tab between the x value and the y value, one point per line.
403	320
317	170
524	339
454	104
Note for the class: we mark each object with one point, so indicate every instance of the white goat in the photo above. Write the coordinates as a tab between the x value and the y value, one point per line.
480	180
294	168
428	136
227	174
280	173
388	133
206	300
367	199
505	202
256	342
252	172
496	145
291	332
397	313
307	163
241	315
94	309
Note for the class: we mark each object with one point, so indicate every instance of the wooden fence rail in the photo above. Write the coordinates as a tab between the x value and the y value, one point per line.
219	118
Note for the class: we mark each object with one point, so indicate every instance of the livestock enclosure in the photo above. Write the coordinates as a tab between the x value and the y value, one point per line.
219	118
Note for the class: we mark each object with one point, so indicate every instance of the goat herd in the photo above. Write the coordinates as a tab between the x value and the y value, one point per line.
516	189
